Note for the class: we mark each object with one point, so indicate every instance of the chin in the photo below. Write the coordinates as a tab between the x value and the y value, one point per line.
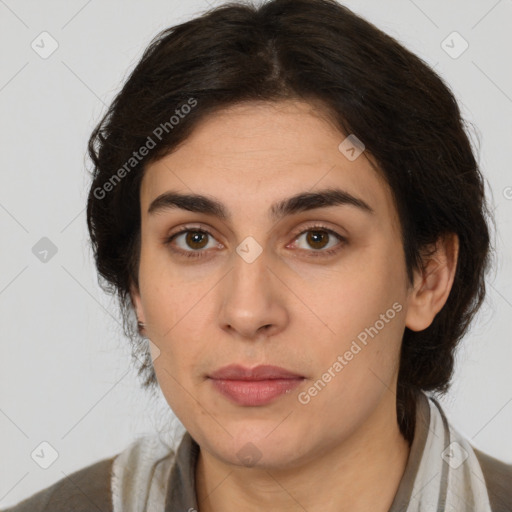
255	447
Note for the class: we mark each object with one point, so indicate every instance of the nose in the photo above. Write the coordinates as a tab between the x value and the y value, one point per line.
252	300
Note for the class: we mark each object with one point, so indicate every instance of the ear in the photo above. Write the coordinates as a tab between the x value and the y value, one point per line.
433	283
137	304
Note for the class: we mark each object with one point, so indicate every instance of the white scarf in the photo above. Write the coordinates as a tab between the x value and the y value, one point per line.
140	475
449	477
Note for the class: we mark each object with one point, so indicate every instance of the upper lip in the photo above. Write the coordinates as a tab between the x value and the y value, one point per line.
263	372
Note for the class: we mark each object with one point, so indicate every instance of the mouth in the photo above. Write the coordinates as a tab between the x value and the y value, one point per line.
254	386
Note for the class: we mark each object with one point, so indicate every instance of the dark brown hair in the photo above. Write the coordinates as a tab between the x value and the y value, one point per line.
371	86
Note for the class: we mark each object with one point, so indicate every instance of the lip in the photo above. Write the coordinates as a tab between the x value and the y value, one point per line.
262	372
254	386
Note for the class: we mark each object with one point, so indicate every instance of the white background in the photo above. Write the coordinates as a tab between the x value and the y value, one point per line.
65	369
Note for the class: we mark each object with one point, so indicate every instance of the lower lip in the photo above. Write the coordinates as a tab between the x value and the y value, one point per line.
254	392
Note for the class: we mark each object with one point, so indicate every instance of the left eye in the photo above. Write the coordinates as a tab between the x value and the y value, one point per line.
319	238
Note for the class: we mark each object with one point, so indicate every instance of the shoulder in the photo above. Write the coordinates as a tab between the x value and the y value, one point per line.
498	478
82	491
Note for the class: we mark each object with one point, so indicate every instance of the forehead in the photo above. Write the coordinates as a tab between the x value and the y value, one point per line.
261	152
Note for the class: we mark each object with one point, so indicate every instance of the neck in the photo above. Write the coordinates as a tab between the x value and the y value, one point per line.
359	474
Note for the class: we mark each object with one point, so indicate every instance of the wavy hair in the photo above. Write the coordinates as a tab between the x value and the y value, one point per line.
370	85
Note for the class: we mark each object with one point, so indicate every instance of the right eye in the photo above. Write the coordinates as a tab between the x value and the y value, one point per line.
190	242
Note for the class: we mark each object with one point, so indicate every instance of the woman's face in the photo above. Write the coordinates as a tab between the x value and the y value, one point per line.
317	289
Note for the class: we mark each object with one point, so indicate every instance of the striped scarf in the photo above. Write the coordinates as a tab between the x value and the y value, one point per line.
448	478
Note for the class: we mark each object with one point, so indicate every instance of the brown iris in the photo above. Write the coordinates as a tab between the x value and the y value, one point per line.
195	239
198	240
315	237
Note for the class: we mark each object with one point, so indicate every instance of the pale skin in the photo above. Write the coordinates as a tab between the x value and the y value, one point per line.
342	451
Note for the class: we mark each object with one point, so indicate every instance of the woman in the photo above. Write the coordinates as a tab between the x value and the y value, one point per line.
287	205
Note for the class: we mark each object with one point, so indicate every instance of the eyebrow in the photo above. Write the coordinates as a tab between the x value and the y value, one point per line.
295	204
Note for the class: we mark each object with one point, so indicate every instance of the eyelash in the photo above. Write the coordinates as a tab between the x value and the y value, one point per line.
201	253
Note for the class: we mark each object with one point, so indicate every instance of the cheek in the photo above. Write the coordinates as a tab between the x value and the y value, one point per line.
175	320
354	299
167	298
365	310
